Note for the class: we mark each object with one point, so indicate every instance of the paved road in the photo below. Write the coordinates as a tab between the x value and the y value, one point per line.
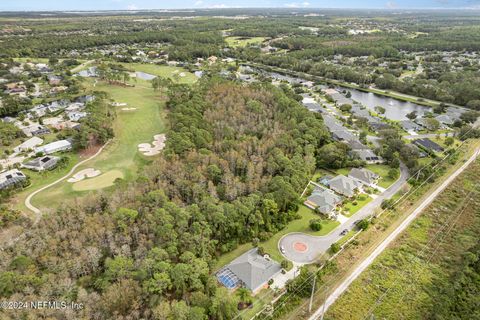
369	260
317	245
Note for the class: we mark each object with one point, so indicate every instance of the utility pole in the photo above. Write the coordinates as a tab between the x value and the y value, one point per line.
311	296
324	303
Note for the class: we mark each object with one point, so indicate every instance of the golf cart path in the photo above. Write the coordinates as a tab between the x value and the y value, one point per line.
391	237
35	210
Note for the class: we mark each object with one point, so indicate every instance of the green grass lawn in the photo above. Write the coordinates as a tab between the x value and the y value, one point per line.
243	41
258	303
102	181
350	209
163	71
131	128
346	237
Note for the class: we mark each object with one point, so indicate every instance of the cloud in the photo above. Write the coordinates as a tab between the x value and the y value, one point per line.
132	7
297	4
391	5
198	3
219	6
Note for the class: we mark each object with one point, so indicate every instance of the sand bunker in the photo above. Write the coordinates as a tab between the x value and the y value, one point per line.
85	173
119	104
155	147
128	109
102	181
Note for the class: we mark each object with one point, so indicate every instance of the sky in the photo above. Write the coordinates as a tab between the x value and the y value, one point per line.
61	5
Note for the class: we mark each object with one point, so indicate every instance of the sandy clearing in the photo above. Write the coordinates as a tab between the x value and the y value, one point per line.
155	147
102	181
85	173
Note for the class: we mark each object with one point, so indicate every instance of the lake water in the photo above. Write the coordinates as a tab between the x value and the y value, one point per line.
394	109
145	76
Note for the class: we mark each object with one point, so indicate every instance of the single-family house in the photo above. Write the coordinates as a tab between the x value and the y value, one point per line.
76	115
364	176
85	99
29	144
54	80
42	163
11	177
250	270
377	126
344	185
57	146
323	200
410	126
368	156
445	119
35	130
428	144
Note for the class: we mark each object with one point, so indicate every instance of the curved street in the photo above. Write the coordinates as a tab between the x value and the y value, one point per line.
317	245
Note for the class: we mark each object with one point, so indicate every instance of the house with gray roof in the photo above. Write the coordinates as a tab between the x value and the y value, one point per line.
11	178
323	200
42	163
410	126
344	185
445	119
368	156
364	176
250	270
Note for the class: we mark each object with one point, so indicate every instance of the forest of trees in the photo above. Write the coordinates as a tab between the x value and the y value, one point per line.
235	161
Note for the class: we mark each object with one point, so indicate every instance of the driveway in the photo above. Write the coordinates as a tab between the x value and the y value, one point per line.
305	248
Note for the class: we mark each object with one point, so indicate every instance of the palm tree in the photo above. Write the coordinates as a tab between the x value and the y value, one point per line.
244	295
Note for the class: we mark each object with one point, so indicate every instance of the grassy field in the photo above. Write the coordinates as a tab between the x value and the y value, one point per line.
120	158
243	41
420	262
163	71
100	182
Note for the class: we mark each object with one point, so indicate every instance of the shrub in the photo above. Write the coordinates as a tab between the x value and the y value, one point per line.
316	224
334	248
363	224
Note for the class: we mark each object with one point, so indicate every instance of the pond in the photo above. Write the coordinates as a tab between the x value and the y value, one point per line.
395	109
145	76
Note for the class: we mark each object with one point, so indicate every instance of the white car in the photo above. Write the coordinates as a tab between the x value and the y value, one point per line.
282	249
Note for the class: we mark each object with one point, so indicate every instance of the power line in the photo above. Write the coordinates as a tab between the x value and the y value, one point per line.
425	248
402	199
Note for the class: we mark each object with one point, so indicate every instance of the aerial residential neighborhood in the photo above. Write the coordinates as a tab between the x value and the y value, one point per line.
262	160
